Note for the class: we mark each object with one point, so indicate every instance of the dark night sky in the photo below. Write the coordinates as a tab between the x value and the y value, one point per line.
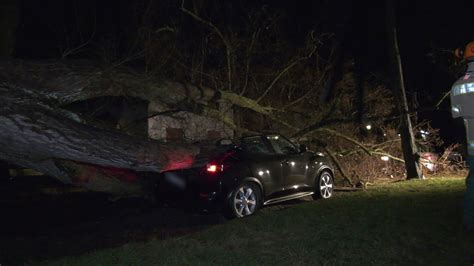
45	23
422	24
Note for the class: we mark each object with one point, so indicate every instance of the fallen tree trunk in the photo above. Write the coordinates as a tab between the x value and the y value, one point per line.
40	134
66	82
70	81
35	133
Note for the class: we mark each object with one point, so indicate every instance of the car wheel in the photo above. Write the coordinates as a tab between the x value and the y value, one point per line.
324	186
244	200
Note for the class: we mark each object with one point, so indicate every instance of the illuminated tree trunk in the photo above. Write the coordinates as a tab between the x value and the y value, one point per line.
410	153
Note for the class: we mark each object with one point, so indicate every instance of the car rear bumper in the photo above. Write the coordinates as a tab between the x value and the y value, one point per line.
209	201
192	190
208	196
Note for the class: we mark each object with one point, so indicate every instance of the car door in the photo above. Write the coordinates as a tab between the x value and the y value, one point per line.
294	164
264	164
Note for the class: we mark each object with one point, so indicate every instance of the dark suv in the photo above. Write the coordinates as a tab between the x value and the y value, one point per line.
256	171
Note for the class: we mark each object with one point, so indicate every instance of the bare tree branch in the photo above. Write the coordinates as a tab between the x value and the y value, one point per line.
226	42
285	70
338	166
389	155
74	50
338	134
247	65
374	148
442	99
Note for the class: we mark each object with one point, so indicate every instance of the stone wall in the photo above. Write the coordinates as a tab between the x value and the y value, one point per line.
185	126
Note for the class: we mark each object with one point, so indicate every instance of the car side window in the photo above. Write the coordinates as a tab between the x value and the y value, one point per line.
282	145
255	145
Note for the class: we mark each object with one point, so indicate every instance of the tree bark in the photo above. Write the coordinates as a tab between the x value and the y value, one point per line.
65	82
35	133
410	152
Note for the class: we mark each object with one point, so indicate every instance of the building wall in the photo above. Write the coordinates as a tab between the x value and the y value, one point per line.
125	113
185	126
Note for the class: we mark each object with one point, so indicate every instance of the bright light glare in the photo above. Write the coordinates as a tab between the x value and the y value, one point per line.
430	166
368	126
212	168
424	134
260	173
385	158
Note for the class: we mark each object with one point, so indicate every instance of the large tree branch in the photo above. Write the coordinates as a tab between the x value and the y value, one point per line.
350	139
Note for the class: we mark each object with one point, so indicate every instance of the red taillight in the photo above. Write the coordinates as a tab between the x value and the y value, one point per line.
213	168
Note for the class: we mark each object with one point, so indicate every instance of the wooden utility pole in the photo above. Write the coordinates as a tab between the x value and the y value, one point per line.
410	153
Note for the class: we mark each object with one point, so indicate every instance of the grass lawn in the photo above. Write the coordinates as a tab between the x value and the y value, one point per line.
412	222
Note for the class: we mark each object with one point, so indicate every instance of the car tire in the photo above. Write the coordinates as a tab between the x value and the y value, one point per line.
244	200
324	186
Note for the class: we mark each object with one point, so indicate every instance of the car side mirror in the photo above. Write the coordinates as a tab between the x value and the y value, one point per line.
303	148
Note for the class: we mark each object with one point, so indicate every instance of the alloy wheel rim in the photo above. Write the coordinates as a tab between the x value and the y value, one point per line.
245	201
326	186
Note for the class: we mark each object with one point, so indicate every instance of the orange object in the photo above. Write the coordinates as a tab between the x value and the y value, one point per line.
468	51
